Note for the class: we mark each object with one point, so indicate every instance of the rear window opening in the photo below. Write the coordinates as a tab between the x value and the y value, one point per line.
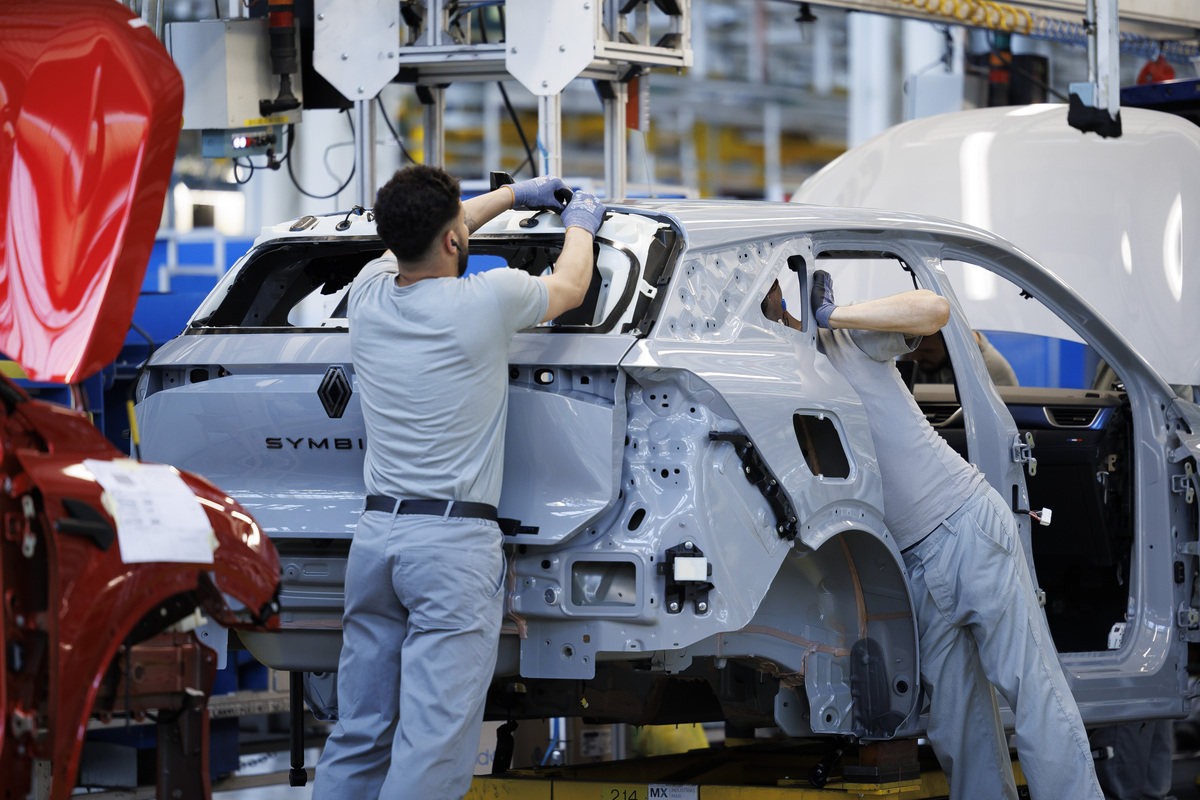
304	285
287	285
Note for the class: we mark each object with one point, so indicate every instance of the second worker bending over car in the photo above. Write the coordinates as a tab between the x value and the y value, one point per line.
933	361
977	615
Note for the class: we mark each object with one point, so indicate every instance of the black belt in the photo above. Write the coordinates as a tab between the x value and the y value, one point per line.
433	508
917	542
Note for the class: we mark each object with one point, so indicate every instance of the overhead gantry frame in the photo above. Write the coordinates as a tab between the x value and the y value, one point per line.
548	43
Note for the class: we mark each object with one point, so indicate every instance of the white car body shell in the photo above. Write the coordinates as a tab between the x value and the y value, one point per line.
1115	219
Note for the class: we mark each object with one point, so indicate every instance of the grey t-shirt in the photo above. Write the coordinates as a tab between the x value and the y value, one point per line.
924	480
1000	371
431	361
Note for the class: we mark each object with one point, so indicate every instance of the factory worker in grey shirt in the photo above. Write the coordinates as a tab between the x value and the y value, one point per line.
933	361
979	621
425	576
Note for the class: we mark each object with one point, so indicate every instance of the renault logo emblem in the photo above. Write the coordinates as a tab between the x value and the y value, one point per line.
335	392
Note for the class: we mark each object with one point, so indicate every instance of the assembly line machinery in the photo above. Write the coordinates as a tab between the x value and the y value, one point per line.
549	43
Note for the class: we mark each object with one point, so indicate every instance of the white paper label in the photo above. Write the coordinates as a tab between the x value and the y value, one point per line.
158	517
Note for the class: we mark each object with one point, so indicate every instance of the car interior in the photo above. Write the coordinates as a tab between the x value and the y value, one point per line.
1084	476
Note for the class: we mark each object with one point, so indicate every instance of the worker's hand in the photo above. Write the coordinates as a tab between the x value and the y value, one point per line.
822	297
539	193
584	211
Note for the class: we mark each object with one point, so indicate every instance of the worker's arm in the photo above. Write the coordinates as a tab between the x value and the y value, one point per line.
535	193
483	208
919	312
568	283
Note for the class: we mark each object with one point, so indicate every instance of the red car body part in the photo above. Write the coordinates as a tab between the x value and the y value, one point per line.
90	106
70	603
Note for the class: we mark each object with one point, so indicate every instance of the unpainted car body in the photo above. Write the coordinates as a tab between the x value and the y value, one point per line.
699	530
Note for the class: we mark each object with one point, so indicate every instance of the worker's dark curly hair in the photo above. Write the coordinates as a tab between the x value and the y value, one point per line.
413	207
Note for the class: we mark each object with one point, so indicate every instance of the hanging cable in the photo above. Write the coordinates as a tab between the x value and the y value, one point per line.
1029	76
396	136
325	157
512	112
466	8
249	165
980	13
291	138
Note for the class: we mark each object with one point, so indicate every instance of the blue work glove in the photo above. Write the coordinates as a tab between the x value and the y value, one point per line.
584	211
822	297
538	193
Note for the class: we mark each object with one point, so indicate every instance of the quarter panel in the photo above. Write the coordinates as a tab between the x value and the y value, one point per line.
558	463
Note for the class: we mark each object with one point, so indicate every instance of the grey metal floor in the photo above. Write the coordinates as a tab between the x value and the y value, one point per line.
270	764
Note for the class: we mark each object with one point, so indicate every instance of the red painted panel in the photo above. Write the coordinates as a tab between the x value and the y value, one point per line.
69	605
90	105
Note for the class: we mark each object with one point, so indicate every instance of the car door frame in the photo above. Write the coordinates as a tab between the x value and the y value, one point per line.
1148	672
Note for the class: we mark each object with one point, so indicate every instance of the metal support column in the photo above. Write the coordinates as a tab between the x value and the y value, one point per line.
689	158
1108	56
434	100
550	133
822	55
492	106
615	151
872	105
364	152
152	13
298	775
435	24
356	53
1090	21
1096	105
772	149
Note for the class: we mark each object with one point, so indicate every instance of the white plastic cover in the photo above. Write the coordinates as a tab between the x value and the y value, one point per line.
355	47
691	568
549	42
1116	219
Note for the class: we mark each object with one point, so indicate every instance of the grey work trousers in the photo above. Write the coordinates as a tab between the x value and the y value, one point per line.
981	626
424	603
1140	767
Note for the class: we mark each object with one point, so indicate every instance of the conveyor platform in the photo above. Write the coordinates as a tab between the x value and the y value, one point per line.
761	772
